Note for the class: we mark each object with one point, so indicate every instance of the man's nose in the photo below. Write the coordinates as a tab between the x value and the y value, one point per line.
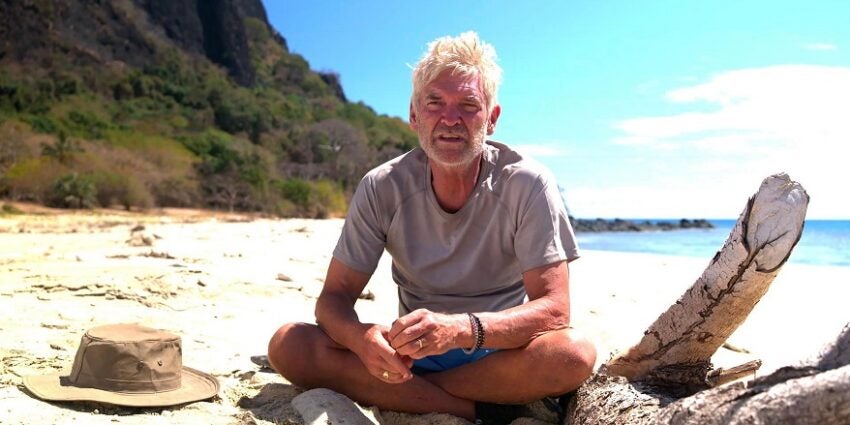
451	116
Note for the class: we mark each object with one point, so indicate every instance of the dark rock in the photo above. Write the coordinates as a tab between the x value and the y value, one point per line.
180	21
332	80
101	32
620	225
225	39
92	32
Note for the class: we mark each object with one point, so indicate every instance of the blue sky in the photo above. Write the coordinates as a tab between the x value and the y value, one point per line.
642	109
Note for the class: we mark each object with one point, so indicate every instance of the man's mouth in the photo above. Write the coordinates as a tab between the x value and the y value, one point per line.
451	138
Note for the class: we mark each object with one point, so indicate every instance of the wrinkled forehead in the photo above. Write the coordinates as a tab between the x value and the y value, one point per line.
455	83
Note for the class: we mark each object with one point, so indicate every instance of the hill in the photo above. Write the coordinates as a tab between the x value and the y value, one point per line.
175	103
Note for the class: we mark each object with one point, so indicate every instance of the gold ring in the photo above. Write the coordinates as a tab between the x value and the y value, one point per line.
386	375
419	341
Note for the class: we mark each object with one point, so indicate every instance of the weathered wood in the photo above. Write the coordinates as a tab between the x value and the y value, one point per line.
693	328
652	382
823	398
606	399
833	355
802	394
722	376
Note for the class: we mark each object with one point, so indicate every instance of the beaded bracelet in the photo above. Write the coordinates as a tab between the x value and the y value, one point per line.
477	334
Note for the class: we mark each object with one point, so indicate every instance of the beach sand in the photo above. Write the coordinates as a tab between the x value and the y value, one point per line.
226	282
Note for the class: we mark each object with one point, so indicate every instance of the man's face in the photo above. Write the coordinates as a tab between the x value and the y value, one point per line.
451	118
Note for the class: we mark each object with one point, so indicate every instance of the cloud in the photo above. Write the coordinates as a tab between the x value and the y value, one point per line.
789	104
751	123
820	46
541	150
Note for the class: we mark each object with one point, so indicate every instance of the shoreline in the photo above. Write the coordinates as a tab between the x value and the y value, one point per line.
804	308
225	282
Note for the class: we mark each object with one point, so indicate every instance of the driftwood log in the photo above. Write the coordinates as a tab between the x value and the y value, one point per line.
667	377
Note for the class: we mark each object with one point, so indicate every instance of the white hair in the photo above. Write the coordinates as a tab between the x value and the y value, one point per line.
465	54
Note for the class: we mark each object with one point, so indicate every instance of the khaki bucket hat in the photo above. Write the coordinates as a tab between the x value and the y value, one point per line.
127	365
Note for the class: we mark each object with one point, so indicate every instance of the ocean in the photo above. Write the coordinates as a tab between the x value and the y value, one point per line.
824	242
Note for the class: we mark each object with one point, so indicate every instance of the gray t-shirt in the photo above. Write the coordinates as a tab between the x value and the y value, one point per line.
467	261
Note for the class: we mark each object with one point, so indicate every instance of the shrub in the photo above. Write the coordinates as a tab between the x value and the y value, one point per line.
73	191
87	123
177	191
13	145
318	199
41	123
296	191
63	149
66	84
257	30
328	198
10	209
117	189
32	178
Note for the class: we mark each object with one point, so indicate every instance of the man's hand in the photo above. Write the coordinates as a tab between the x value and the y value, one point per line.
424	333
380	359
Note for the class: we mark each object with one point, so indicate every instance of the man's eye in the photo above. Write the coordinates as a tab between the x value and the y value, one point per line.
471	107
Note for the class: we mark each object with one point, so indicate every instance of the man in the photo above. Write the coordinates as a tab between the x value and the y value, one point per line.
473	228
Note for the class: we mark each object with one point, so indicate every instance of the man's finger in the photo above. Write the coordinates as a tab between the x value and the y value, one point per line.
408	337
414	345
394	364
392	377
399	325
392	359
404	335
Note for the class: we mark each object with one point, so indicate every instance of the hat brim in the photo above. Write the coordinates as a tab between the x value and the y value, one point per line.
195	386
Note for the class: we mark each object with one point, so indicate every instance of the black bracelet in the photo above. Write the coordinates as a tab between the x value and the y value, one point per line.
477	334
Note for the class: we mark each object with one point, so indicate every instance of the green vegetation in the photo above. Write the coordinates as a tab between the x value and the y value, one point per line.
9	209
179	132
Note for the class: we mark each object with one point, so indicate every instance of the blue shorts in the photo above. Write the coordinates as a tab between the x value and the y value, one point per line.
448	360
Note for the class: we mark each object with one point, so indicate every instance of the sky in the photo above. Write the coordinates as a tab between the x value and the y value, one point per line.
641	109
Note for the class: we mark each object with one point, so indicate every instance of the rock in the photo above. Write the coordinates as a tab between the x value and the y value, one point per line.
322	406
621	225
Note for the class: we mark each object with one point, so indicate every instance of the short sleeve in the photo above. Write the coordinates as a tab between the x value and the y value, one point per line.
544	234
363	237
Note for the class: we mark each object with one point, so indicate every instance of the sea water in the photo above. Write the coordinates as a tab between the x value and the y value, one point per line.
824	242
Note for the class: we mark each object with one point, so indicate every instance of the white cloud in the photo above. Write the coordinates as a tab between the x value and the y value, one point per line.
793	118
541	150
820	46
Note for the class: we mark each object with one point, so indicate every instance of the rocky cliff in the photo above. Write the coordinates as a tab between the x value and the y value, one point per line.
129	31
199	103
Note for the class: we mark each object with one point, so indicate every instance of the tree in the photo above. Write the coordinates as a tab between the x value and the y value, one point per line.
343	147
63	149
73	191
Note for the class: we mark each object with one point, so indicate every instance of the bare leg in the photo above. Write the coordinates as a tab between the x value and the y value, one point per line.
551	364
307	357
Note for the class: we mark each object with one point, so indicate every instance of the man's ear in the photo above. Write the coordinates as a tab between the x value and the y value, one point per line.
491	121
412	122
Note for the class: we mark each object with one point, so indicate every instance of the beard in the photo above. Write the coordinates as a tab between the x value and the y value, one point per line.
464	149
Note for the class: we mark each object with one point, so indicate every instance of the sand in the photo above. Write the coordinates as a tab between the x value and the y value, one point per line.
225	282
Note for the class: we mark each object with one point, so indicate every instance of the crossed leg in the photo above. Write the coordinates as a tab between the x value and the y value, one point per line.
551	364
